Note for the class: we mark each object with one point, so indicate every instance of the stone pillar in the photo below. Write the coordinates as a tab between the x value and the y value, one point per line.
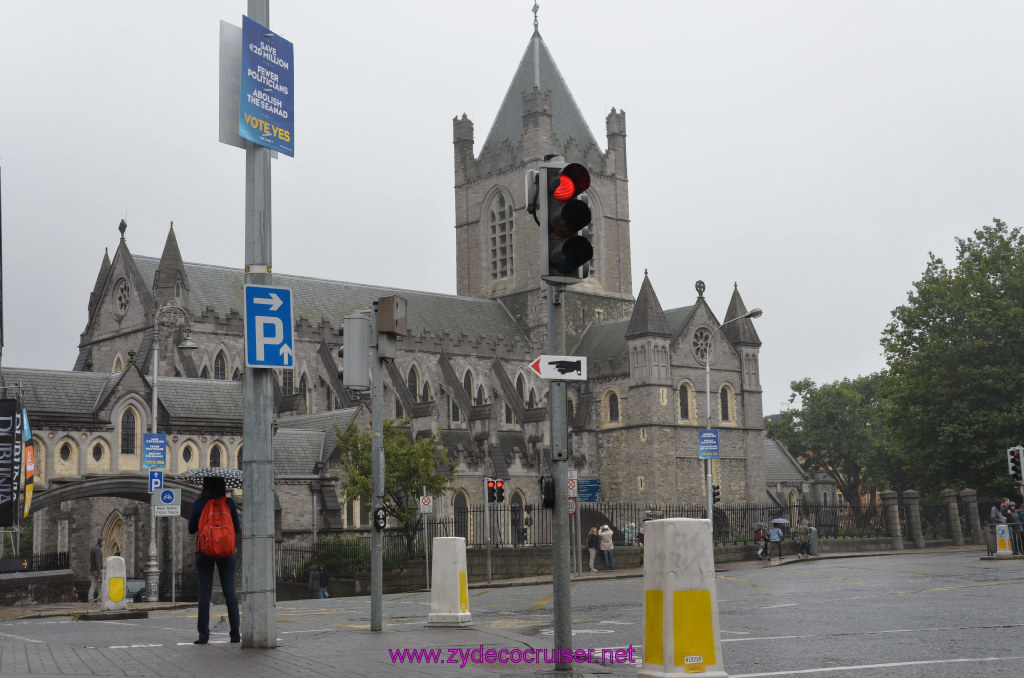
948	498
970	502
890	504
912	500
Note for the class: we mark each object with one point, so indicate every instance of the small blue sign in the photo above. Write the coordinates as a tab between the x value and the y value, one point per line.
167	496
266	104
588	489
156	481
154	450
268	327
708	438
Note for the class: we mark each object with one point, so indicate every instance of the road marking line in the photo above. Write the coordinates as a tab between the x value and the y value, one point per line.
541	603
27	640
759	589
863	667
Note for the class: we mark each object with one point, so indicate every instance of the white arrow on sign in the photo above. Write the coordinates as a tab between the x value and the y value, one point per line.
561	367
273	301
286	353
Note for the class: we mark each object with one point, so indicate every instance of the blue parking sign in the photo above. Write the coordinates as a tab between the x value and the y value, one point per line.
268	327
156	481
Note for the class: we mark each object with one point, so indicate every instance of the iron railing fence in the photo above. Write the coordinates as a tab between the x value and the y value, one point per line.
346	555
935	522
53	560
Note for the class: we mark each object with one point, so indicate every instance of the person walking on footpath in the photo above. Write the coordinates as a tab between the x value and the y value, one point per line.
314	582
761	539
803	535
215	521
96	571
325	579
593	543
607	547
775	539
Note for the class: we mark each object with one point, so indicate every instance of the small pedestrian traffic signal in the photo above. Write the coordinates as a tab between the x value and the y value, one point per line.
716	494
1013	460
380	518
492	491
547	491
499	490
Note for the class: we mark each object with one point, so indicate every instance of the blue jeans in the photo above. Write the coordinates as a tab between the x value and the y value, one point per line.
609	560
226	570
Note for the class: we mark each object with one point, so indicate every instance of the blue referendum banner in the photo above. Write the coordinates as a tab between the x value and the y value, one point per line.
154	450
708	438
266	104
10	460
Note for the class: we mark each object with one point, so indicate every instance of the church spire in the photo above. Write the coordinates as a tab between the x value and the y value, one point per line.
742	331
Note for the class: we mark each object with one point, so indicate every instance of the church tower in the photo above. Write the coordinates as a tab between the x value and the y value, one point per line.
498	242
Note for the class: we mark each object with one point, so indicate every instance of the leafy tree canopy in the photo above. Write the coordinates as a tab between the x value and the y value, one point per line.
409	466
839	430
956	356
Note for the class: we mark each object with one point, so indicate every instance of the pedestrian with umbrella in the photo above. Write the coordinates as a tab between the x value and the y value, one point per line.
761	539
215	523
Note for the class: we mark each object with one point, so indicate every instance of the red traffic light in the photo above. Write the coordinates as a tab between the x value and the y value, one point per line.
500	483
490	484
573	180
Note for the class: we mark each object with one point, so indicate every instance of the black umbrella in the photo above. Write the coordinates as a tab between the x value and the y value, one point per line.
232	476
758	526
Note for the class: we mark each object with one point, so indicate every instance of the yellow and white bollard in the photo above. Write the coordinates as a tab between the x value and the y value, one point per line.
1004	547
449	593
681	635
113	591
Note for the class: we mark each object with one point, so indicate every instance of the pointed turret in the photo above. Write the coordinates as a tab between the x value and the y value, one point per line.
741	332
648	318
101	279
171	281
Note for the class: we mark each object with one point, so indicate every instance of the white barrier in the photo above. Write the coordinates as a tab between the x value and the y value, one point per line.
113	591
681	635
1004	547
449	593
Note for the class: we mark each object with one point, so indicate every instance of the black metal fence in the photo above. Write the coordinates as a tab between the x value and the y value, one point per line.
935	522
54	560
346	555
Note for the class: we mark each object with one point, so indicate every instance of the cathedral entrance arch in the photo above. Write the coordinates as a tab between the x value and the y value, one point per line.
113	532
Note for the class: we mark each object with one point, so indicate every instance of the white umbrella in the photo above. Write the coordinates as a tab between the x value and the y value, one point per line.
780	521
232	476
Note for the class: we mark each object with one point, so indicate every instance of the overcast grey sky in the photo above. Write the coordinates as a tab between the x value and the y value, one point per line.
812	152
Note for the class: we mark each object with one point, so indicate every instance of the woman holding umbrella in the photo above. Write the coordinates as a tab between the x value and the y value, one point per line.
214	488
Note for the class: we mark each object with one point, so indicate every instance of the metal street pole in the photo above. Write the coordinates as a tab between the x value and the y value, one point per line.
259	616
377	475
487	527
152	571
561	578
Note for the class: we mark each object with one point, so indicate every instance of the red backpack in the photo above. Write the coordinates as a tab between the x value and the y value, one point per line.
216	529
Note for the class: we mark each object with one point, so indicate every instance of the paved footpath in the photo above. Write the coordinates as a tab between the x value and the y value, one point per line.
337	653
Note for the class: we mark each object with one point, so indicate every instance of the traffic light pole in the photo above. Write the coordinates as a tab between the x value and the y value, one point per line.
561	576
487	526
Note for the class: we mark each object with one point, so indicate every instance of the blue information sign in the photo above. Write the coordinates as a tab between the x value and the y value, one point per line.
268	327
266	104
156	481
154	450
708	443
588	489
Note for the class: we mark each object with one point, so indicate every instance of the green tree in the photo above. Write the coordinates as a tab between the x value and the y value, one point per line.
956	354
409	466
839	429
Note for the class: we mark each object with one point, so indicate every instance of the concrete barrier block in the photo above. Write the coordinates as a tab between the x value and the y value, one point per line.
449	590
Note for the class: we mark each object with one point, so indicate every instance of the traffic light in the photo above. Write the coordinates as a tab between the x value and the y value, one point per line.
499	490
355	353
380	518
547	491
563	214
1013	459
492	491
716	495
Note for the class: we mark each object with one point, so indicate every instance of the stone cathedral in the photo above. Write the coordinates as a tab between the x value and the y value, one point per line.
461	369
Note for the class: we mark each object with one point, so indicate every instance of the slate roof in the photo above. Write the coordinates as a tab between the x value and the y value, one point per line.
220	288
647	318
565	114
606	342
297	451
779	466
201	398
742	331
321	422
58	392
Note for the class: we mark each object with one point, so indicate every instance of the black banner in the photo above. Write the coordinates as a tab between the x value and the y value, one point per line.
10	460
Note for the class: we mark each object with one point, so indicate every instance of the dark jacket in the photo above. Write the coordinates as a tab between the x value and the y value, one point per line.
325	578
593	541
96	556
314	580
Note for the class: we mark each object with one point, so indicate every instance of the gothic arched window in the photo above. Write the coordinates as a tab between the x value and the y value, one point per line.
128	431
479	396
287	382
467	383
501	236
413	382
302	384
215	456
220	365
425	397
